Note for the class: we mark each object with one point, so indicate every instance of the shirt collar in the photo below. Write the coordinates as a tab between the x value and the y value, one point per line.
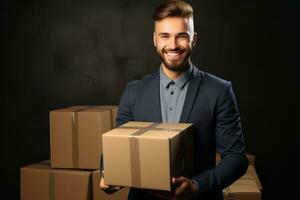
181	81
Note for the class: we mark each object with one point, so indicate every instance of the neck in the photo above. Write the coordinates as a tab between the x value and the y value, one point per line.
172	74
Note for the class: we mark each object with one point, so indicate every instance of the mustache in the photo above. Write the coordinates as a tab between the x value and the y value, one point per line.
177	49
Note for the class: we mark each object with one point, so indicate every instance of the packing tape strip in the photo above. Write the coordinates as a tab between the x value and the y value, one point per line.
51	185
135	155
51	182
111	118
75	136
135	161
155	128
75	132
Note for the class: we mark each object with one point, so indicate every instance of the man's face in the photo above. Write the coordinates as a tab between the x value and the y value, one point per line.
174	39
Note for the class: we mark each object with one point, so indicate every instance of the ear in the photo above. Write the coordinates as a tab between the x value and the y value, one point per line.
154	39
195	39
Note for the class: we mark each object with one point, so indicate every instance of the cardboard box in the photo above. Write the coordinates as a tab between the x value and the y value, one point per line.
40	182
99	194
248	187
242	189
251	159
74	135
147	155
251	174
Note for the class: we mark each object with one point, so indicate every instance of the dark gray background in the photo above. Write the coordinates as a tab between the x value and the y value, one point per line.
56	53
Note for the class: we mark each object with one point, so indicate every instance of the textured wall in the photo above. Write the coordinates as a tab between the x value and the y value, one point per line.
57	53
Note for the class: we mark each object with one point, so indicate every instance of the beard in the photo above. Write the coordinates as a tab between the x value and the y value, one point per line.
178	65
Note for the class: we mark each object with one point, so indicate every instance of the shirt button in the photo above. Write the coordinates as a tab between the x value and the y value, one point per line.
172	92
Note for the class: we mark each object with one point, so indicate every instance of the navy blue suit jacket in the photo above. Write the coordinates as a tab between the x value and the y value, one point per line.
211	106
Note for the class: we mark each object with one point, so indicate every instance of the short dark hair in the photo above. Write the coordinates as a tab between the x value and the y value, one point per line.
173	8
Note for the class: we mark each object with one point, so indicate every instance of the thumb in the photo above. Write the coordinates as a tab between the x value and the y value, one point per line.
102	184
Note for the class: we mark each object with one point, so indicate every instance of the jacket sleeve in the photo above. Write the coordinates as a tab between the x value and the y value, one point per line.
124	114
229	143
125	107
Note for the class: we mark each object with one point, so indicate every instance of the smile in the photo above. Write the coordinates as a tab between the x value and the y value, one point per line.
173	55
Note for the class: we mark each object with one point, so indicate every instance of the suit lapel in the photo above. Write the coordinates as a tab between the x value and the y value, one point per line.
155	105
191	94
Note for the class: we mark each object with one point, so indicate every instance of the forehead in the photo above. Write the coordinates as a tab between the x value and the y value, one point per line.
174	25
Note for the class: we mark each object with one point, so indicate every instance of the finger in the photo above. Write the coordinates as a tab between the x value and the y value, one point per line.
173	180
115	187
102	184
178	181
181	188
104	187
112	189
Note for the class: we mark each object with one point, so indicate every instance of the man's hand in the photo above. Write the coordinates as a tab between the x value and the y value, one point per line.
106	188
185	189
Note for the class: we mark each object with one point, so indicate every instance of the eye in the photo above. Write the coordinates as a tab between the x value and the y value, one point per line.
164	36
183	37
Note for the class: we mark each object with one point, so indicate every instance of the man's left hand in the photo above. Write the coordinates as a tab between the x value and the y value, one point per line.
185	188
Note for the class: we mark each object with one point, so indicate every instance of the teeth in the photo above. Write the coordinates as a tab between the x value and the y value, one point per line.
173	54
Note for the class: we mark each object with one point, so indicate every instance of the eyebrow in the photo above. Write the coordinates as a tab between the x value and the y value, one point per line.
183	33
178	34
163	34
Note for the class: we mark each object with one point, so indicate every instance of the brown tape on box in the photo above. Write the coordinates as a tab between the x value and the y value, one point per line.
51	185
75	133
75	137
135	152
51	182
111	118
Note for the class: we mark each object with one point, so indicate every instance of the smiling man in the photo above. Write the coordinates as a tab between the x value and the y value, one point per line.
174	39
180	92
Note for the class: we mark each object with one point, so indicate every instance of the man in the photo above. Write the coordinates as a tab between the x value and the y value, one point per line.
179	92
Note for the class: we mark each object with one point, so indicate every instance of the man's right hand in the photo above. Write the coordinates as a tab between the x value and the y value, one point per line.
107	188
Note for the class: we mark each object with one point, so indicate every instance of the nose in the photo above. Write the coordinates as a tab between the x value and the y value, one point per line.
172	44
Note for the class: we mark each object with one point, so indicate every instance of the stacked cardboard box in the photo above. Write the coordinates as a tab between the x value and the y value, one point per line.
248	187
75	137
41	182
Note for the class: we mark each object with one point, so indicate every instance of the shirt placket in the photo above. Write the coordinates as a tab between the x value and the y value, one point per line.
171	107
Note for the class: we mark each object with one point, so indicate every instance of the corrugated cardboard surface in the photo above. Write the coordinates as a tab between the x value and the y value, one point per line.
242	189
74	135
114	113
251	174
40	182
99	194
248	187
140	154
